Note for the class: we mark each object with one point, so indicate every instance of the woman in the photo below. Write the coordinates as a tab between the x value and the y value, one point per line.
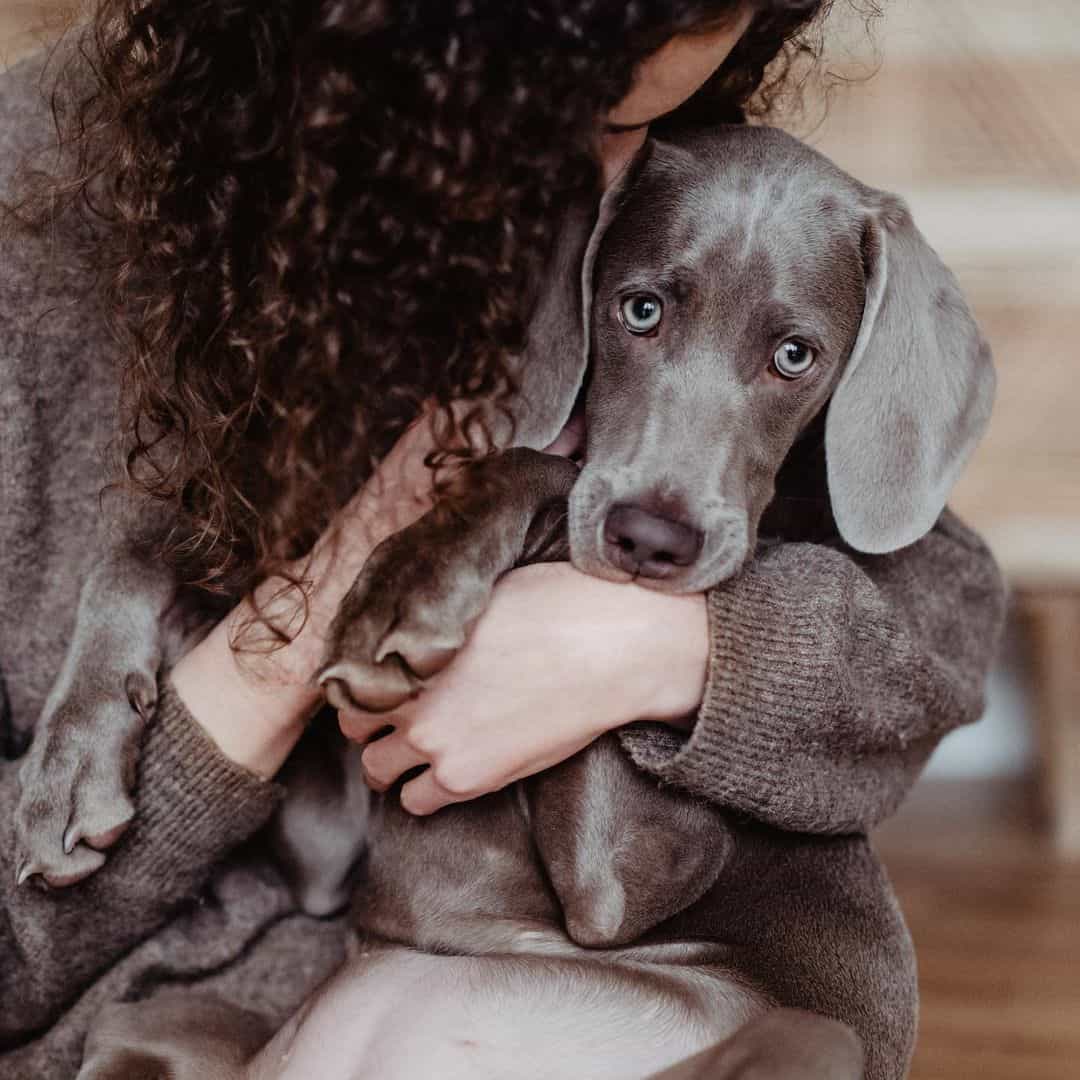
313	222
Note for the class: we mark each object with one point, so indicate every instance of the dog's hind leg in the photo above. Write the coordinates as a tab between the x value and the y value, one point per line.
77	775
781	1044
181	1035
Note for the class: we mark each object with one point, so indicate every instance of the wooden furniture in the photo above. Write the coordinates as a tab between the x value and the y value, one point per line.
1053	618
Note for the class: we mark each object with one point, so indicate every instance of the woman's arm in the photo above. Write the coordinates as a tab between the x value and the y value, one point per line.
824	679
201	787
557	658
832	677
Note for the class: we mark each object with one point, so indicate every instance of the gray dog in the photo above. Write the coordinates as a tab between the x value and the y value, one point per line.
586	921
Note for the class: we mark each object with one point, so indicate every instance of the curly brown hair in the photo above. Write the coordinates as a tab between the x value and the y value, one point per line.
314	216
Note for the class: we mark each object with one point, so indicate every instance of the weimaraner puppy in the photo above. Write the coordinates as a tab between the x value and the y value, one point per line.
749	323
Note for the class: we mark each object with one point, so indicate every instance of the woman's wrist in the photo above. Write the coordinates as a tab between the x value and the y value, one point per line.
255	699
251	694
254	707
673	655
648	651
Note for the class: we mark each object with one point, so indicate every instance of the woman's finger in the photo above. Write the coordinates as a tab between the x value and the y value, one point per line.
361	726
425	795
385	759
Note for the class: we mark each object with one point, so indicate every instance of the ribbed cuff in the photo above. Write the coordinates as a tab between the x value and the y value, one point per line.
193	803
764	668
831	679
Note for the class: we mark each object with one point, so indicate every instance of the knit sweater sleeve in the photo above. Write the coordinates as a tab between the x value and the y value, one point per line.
832	678
193	805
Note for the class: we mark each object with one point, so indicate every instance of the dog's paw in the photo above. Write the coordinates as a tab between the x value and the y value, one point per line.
404	619
76	781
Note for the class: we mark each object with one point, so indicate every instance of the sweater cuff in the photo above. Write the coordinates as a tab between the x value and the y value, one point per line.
763	668
193	804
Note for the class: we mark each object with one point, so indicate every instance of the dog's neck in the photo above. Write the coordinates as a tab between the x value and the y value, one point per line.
800	508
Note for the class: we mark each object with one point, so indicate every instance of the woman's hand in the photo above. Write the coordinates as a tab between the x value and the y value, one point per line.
557	659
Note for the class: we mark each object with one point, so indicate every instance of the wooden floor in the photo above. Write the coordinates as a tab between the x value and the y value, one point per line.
996	923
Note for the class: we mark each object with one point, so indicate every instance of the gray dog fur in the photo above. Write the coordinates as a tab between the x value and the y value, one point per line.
703	922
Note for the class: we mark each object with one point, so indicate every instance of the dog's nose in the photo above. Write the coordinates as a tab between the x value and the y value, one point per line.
645	544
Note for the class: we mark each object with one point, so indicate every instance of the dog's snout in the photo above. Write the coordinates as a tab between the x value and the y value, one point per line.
649	545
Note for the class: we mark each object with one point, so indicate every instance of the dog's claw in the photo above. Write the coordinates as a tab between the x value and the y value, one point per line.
336	690
84	862
423	652
75	800
103	838
372	689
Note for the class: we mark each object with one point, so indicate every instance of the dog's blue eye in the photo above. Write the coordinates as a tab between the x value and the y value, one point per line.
641	312
793	359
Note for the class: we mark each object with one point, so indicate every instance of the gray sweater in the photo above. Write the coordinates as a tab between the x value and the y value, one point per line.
832	678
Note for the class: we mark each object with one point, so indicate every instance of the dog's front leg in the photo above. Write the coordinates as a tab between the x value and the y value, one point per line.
79	771
622	852
410	609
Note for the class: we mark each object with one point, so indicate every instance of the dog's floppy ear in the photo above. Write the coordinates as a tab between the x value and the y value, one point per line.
916	393
553	365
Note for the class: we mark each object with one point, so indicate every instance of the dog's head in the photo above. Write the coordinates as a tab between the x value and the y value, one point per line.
735	285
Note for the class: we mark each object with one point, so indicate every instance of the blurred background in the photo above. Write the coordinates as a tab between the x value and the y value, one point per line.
971	110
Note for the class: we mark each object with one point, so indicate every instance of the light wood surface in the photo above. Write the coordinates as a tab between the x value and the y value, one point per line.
996	923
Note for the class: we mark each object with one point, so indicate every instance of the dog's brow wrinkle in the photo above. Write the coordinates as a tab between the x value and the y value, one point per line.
761	198
777	316
703	240
760	271
679	280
